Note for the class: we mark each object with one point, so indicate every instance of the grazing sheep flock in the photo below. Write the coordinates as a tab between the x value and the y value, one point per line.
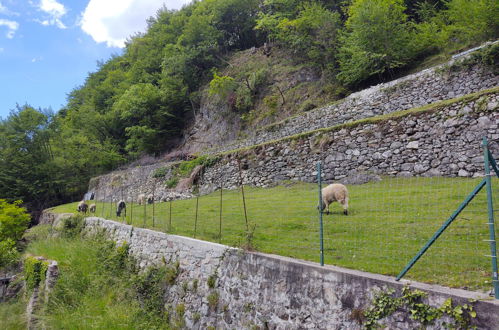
335	192
120	207
82	207
92	208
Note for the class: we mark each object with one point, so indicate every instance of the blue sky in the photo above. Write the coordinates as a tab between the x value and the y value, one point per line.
48	47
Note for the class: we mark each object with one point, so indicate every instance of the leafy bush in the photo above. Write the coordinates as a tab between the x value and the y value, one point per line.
8	252
34	271
14	220
377	40
72	226
473	21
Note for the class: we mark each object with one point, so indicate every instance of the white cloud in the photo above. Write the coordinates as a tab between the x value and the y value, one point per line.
6	11
12	27
112	21
55	12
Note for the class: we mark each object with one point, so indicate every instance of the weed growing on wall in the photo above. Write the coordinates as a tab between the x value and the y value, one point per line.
34	271
385	303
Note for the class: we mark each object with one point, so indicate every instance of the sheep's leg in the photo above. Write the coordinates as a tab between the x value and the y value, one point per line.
345	206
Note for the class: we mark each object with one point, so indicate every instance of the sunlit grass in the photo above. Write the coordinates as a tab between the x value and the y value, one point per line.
85	296
388	222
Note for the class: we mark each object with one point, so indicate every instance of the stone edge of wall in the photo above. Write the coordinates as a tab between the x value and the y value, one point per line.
486	307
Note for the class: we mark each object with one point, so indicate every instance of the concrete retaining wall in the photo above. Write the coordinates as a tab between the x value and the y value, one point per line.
271	292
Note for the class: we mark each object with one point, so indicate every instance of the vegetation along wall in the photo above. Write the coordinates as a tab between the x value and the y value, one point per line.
226	288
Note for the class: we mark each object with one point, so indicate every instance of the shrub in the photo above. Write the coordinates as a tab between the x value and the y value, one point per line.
14	220
377	40
72	226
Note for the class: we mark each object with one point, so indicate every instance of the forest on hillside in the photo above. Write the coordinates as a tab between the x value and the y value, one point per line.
138	103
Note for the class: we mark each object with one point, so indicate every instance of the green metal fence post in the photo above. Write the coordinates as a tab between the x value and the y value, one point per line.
442	229
321	228
492	239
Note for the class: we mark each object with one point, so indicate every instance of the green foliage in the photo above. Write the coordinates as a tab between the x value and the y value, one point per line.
12	314
172	182
95	291
377	40
72	226
212	280
8	252
34	271
473	21
222	86
312	32
160	172
385	303
14	220
213	298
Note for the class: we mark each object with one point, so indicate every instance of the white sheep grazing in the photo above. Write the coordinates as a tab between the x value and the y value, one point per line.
82	207
141	199
335	192
92	208
120	207
150	199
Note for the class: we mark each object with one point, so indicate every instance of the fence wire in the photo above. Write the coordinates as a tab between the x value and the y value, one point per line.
389	220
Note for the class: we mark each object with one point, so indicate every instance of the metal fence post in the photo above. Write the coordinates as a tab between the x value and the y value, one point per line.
321	228
492	240
196	216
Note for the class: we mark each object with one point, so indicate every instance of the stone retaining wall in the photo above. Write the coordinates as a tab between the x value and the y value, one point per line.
456	78
442	142
271	292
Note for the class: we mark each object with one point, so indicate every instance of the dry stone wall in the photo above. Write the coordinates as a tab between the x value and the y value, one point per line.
445	141
271	292
460	76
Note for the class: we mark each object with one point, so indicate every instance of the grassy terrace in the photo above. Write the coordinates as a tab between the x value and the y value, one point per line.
389	222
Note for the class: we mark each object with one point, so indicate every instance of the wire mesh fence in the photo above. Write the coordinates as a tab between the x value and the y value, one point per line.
389	219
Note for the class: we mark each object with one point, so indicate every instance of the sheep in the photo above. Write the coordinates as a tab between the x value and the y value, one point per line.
82	207
121	206
92	208
334	192
150	199
141	199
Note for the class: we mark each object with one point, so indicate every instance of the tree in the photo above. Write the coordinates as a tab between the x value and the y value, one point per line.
26	169
473	21
14	221
377	40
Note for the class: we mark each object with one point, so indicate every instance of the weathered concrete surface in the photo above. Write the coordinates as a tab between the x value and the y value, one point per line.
274	292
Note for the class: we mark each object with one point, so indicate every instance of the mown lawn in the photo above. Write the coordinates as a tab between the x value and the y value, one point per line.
388	222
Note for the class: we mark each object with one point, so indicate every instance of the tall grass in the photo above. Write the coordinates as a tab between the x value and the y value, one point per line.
95	289
388	222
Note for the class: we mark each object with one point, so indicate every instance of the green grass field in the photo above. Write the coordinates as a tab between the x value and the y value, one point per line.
388	222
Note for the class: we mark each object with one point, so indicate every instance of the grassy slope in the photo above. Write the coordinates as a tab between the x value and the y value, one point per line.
87	296
389	222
